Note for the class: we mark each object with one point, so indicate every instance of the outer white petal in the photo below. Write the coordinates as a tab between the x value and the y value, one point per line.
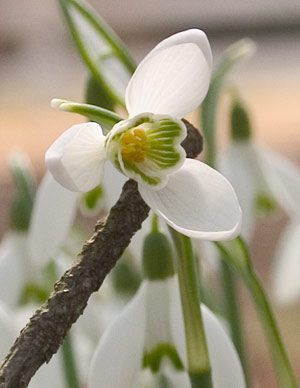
286	284
198	202
13	262
284	179
76	159
189	36
52	216
173	80
119	354
226	367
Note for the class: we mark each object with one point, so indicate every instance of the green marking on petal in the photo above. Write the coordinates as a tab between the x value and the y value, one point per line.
153	359
133	170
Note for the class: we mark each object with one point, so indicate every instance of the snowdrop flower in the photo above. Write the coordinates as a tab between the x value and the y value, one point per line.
150	329
260	174
169	83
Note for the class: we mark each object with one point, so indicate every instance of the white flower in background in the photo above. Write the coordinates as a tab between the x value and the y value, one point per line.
150	330
169	83
258	172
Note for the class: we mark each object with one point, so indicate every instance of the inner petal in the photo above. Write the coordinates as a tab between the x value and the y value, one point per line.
147	148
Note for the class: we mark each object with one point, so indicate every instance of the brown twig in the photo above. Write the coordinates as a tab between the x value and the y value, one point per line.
48	327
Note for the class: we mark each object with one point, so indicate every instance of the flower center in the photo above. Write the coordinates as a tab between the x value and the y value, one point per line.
134	145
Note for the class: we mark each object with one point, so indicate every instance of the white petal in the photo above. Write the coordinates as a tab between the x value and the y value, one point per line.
198	202
173	80
52	216
13	262
119	354
286	284
189	36
284	179
158	295
226	367
76	159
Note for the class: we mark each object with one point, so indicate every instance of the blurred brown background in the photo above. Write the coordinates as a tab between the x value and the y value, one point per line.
39	62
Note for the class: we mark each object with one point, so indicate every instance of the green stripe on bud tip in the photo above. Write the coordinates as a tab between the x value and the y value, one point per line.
153	359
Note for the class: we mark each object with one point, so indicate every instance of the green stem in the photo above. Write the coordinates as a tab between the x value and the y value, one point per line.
155	227
197	352
233	316
242	265
70	368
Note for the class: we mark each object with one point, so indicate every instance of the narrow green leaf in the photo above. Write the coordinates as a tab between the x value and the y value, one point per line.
100	48
238	258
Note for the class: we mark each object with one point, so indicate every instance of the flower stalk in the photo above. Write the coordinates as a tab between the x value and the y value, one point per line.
197	351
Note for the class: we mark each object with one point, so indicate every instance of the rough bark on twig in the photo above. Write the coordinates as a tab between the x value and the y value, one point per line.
48	327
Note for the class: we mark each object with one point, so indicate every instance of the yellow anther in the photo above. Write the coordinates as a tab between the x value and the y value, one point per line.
134	145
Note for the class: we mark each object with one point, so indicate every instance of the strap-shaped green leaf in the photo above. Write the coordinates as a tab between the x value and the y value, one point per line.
101	49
